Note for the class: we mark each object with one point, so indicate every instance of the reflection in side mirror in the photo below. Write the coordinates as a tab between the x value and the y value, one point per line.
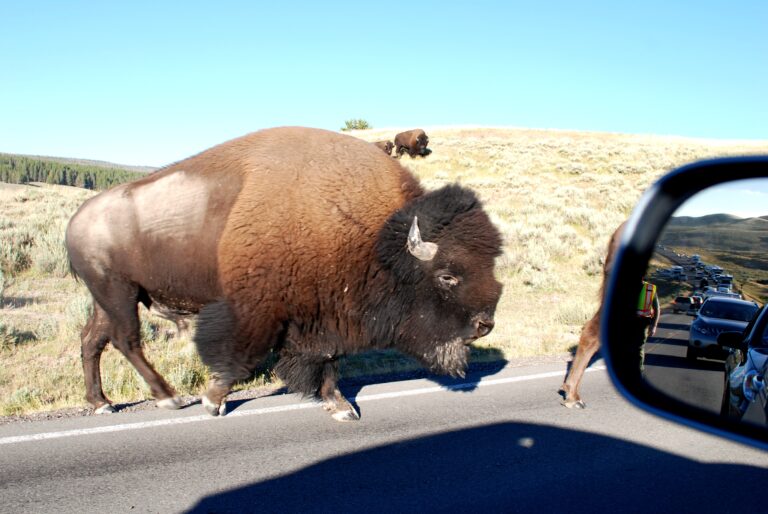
700	235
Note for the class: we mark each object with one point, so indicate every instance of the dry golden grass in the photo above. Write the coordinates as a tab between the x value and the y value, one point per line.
555	195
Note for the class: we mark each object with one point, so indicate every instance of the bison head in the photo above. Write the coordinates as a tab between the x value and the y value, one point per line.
439	252
421	143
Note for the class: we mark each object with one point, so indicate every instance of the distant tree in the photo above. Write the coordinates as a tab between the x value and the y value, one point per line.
21	170
356	124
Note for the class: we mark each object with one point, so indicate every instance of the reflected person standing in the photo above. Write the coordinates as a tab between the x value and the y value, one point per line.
648	311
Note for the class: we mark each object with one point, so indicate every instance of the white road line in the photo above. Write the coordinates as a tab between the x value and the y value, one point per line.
282	408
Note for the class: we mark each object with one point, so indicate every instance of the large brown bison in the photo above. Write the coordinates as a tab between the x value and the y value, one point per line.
589	342
386	146
414	142
302	242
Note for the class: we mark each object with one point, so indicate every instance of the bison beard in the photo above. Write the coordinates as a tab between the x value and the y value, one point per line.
446	358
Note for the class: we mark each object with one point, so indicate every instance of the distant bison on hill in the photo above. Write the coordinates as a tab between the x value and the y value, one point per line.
414	142
387	146
298	241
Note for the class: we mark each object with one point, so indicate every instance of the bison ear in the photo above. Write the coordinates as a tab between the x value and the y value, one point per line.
424	251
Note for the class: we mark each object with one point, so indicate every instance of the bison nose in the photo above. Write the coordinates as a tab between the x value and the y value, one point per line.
483	325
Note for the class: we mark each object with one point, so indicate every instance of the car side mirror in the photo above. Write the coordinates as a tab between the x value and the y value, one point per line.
732	340
698	213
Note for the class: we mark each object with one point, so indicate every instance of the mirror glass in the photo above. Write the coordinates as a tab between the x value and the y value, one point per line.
710	271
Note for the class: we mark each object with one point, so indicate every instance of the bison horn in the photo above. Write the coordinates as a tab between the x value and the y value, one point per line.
424	251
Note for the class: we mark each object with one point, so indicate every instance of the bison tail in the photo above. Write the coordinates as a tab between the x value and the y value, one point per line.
73	272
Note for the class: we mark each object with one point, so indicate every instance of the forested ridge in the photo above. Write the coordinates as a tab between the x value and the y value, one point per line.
21	169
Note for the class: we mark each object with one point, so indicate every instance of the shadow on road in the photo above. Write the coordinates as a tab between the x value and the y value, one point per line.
667	341
493	362
674	326
670	361
504	467
475	373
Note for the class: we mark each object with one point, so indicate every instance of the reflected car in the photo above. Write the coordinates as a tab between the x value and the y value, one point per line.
717	315
745	396
682	304
696	305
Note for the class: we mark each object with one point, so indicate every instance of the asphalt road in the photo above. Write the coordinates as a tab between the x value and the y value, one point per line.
698	382
497	442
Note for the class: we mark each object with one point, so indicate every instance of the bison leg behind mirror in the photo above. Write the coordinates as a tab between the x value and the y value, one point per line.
302	242
589	341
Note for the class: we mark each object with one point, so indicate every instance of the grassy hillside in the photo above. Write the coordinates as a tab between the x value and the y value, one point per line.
738	245
555	195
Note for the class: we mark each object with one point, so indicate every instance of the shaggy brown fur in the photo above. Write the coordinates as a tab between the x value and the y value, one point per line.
290	240
589	342
414	142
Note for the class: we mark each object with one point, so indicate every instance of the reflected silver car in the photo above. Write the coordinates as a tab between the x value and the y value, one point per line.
745	394
716	315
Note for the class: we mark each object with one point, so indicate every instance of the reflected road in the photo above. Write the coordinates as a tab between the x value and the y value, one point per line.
699	382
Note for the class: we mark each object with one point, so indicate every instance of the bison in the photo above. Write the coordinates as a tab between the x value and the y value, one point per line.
300	242
387	146
413	141
589	341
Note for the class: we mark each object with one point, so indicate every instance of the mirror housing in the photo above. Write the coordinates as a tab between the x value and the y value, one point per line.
636	247
732	340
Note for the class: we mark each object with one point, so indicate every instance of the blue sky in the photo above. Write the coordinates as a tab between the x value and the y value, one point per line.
743	198
149	83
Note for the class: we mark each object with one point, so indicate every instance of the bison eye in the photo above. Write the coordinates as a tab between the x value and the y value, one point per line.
447	280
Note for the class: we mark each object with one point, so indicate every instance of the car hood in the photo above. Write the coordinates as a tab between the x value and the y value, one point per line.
721	325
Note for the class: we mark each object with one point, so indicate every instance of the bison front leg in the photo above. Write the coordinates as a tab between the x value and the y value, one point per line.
333	401
230	350
214	398
314	374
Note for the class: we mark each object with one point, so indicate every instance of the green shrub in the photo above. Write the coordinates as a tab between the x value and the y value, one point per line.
356	124
49	255
15	246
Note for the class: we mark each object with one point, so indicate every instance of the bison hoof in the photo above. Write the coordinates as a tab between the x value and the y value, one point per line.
170	403
346	415
105	409
213	409
574	404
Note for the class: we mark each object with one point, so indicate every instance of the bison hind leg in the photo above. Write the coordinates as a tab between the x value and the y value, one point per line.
589	343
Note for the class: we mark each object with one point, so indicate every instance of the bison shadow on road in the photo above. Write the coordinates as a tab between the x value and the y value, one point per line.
491	362
506	467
